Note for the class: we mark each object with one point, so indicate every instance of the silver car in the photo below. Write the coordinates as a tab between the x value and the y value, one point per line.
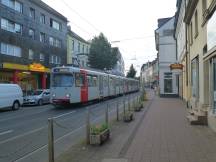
38	97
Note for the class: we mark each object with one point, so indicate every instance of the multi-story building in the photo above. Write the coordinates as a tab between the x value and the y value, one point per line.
182	55
166	47
32	40
196	31
77	50
149	74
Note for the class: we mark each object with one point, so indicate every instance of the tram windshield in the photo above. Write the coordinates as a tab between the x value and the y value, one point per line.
62	80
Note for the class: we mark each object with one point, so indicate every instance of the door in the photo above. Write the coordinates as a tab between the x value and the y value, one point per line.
101	86
84	86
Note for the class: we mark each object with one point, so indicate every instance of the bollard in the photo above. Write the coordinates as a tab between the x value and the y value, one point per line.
88	126
50	140
117	110
107	114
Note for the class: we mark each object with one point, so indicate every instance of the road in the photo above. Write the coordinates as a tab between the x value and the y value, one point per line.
24	133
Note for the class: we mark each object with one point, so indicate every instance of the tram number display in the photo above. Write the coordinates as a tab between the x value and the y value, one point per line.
61	70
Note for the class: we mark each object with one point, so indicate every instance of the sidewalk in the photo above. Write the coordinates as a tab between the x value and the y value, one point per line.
161	134
166	136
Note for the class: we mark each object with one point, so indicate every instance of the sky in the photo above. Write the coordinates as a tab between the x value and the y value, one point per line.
127	24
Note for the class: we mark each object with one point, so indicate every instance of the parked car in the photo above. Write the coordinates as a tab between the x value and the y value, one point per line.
38	97
11	96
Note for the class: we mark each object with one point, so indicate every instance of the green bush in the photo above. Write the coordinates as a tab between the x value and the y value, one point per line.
97	129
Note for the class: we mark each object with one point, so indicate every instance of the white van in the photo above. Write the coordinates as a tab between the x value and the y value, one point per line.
11	96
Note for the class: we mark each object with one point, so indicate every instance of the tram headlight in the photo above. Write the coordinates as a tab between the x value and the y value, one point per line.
54	95
68	95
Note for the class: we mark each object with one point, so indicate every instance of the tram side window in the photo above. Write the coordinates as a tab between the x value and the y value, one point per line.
95	81
80	80
105	81
89	80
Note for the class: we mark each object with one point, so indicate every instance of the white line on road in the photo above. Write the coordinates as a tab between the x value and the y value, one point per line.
6	132
59	116
22	135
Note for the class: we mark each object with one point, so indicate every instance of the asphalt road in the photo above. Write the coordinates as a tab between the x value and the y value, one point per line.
24	133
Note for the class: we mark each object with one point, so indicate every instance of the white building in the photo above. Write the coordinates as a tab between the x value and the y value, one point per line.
166	47
119	68
180	36
77	49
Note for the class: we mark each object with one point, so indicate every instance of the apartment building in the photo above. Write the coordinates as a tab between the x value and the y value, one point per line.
33	40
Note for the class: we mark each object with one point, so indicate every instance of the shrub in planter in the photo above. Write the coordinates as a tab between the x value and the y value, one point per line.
128	116
99	134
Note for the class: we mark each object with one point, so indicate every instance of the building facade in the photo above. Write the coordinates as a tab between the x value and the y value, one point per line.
166	47
180	36
33	40
149	74
77	50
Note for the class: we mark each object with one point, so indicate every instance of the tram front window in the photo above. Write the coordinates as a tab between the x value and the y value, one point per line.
62	80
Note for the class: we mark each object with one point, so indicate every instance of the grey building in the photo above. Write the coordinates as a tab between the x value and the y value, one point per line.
32	40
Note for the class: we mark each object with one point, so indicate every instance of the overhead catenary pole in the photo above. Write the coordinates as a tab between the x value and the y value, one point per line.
88	126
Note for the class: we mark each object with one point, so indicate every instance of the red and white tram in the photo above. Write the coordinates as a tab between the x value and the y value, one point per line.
74	85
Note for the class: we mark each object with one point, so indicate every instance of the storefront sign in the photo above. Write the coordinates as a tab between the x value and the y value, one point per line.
36	67
176	66
14	66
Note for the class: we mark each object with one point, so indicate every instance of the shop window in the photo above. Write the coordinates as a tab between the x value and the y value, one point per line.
195	77
168	86
41	57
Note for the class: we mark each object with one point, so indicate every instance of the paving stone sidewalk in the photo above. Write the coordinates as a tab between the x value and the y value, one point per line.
161	134
166	136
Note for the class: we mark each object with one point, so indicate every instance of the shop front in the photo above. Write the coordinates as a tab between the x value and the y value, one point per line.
29	77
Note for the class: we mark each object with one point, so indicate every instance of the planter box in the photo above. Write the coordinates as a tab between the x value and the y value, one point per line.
128	117
99	138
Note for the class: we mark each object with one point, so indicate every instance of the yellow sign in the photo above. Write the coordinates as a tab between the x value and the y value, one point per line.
36	67
176	66
7	65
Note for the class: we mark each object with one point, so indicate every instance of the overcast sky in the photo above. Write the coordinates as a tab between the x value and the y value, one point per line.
134	20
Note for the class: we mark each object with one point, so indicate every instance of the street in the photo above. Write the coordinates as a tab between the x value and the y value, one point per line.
24	133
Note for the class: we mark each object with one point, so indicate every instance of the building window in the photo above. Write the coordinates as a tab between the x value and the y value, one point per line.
31	33
13	4
72	45
42	18
32	13
41	57
204	6
55	59
78	47
196	24
54	42
191	33
55	25
168	87
31	54
195	77
11	26
11	50
168	32
83	48
42	37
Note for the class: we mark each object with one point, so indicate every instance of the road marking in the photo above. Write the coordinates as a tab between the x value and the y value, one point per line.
27	133
65	114
6	132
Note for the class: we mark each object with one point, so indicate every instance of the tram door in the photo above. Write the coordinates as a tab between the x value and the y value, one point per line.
84	87
101	85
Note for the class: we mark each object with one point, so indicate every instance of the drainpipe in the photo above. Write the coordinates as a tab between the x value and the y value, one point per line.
187	57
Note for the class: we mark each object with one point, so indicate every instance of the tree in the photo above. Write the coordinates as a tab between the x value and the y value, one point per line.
101	55
132	72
